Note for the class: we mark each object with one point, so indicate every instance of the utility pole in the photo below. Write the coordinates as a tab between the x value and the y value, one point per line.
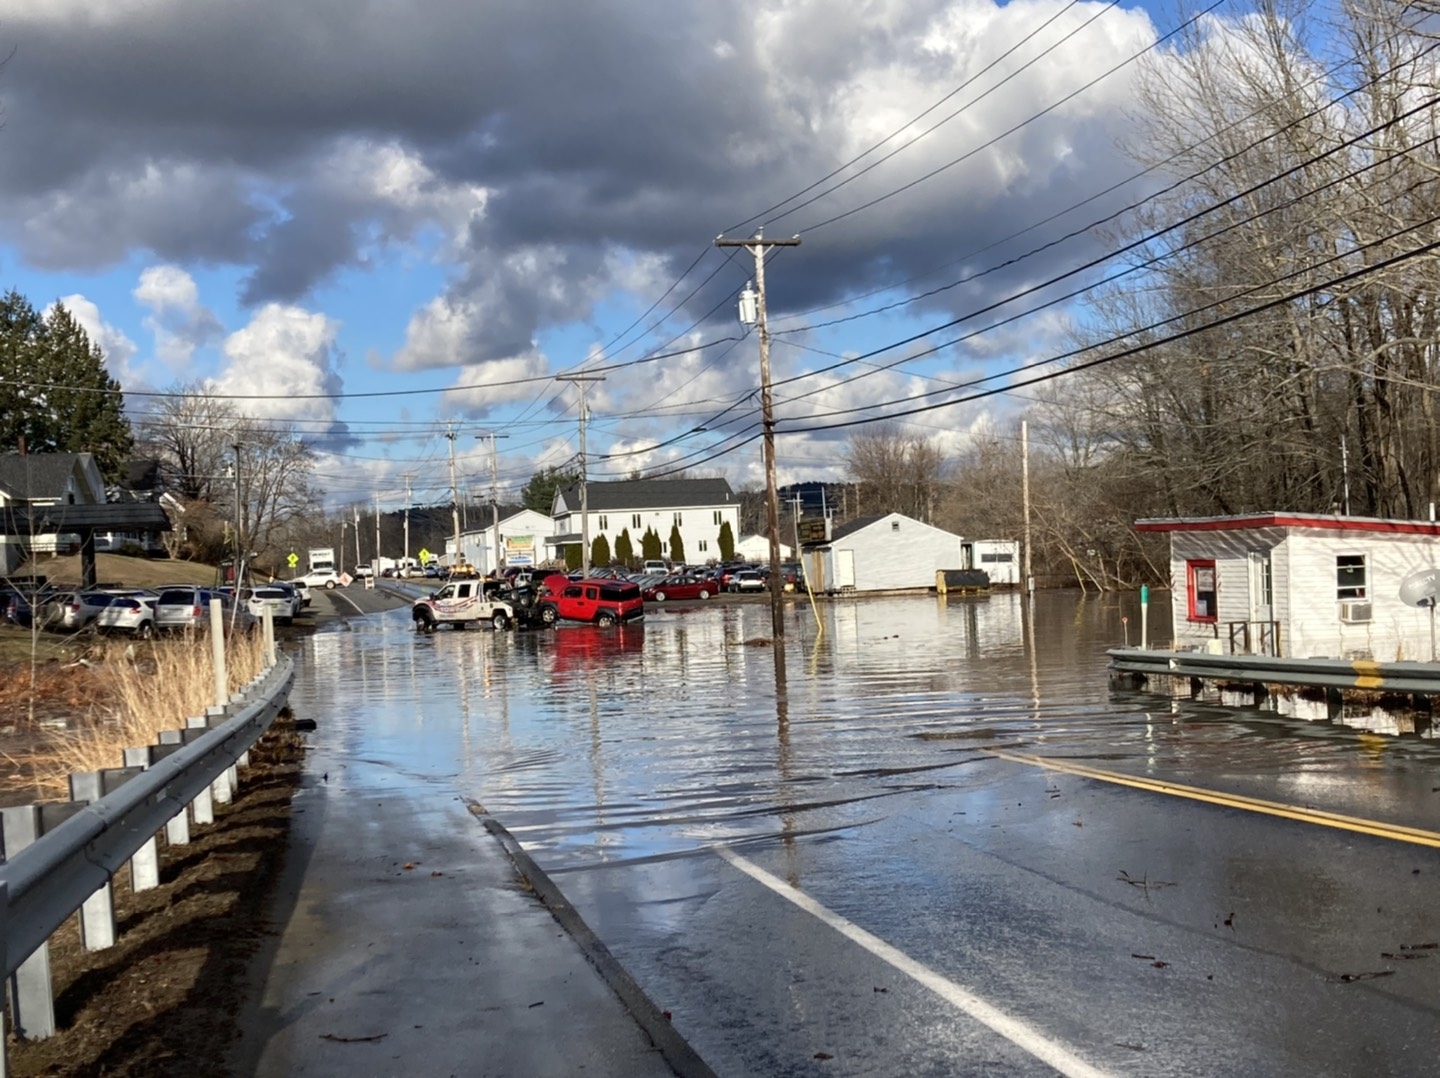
752	312
454	496
495	559
373	569
1025	498
238	567
405	558
376	566
582	380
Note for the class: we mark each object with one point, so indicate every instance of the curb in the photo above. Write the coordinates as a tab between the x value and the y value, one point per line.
676	1050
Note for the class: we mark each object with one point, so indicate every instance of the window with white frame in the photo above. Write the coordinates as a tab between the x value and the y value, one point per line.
719	518
604	523
635	521
678	520
704	545
1351	578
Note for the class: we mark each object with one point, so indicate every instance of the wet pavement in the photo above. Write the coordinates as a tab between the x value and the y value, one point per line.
875	872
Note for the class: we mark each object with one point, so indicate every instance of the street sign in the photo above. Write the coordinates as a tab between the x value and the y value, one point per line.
424	556
293	559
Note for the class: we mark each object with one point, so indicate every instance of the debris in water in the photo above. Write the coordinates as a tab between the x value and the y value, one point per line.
1351	978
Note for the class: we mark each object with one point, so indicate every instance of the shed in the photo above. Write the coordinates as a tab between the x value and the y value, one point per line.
885	553
756	548
1299	584
999	558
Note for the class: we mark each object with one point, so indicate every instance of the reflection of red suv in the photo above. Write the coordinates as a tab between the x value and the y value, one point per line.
605	602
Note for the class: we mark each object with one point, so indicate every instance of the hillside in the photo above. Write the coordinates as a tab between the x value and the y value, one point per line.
118	569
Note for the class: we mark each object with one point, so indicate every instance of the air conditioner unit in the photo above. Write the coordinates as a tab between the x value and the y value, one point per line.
1354	611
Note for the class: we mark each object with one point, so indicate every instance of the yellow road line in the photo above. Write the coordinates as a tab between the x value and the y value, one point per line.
1415	835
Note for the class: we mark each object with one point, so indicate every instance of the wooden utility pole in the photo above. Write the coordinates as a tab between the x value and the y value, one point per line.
495	559
1025	498
582	380
758	246
405	558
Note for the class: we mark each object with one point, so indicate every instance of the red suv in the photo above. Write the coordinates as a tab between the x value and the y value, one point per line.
604	602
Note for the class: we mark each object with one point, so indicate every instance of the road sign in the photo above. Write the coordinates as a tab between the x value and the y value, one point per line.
293	559
424	556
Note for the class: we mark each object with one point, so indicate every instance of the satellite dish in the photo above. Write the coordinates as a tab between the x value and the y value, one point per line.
1421	588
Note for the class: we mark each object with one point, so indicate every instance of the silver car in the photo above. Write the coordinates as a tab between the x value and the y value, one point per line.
180	609
134	614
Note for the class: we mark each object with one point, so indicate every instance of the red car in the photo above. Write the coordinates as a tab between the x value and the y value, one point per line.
678	587
604	602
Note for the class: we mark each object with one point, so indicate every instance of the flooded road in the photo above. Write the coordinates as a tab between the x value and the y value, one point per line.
894	866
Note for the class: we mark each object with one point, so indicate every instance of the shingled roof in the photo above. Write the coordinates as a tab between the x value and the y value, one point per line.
639	494
43	476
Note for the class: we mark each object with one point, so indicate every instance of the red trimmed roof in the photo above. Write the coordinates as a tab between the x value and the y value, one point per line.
1321	521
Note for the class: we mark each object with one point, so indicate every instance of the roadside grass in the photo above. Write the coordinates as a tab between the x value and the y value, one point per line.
117	569
122	694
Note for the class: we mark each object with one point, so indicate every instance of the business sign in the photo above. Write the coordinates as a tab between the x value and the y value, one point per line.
519	550
814	529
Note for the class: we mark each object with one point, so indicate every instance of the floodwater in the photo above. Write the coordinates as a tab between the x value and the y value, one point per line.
893	781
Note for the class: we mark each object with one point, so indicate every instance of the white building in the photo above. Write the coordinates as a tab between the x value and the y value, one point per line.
699	508
756	548
1299	584
892	552
524	540
999	558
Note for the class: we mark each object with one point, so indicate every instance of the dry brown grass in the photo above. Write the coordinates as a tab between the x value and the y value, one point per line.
124	697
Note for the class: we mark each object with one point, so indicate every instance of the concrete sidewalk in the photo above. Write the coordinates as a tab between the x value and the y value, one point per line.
407	943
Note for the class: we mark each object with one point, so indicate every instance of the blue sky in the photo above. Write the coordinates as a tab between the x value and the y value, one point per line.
334	212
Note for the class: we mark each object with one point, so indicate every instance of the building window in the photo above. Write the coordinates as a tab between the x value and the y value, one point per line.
719	518
604	523
1350	576
1201	592
678	521
704	545
635	521
894	525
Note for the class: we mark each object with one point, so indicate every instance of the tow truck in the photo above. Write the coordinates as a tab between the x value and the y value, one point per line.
461	602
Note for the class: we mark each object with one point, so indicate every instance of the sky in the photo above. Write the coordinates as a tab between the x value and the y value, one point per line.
394	224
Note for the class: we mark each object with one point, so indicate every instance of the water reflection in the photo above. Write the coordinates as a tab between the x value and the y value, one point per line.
617	746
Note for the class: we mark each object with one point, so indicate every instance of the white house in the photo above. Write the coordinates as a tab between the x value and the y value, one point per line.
891	552
1000	558
1299	584
49	480
756	548
699	508
524	541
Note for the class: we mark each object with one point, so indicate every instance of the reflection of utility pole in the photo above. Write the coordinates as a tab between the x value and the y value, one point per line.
495	560
582	380
752	312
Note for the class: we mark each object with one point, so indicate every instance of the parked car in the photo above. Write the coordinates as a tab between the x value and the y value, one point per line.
134	614
603	602
677	587
655	568
301	588
281	602
363	570
746	580
180	609
73	611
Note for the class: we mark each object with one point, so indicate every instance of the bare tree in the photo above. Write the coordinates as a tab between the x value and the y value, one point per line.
895	471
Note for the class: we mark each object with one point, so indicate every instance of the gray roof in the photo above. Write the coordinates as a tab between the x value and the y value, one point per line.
111	516
38	475
839	531
649	494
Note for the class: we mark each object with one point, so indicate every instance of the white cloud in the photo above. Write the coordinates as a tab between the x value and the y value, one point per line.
282	357
178	320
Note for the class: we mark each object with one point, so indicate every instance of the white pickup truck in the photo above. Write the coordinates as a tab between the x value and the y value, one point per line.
461	602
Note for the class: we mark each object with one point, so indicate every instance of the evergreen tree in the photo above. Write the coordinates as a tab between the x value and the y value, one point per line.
600	551
624	549
677	545
727	542
573	558
54	389
650	545
539	493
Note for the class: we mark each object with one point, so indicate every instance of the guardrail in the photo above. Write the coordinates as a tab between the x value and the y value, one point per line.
61	857
1364	674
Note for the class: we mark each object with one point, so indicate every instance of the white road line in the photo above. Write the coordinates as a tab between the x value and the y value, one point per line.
1013	1030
